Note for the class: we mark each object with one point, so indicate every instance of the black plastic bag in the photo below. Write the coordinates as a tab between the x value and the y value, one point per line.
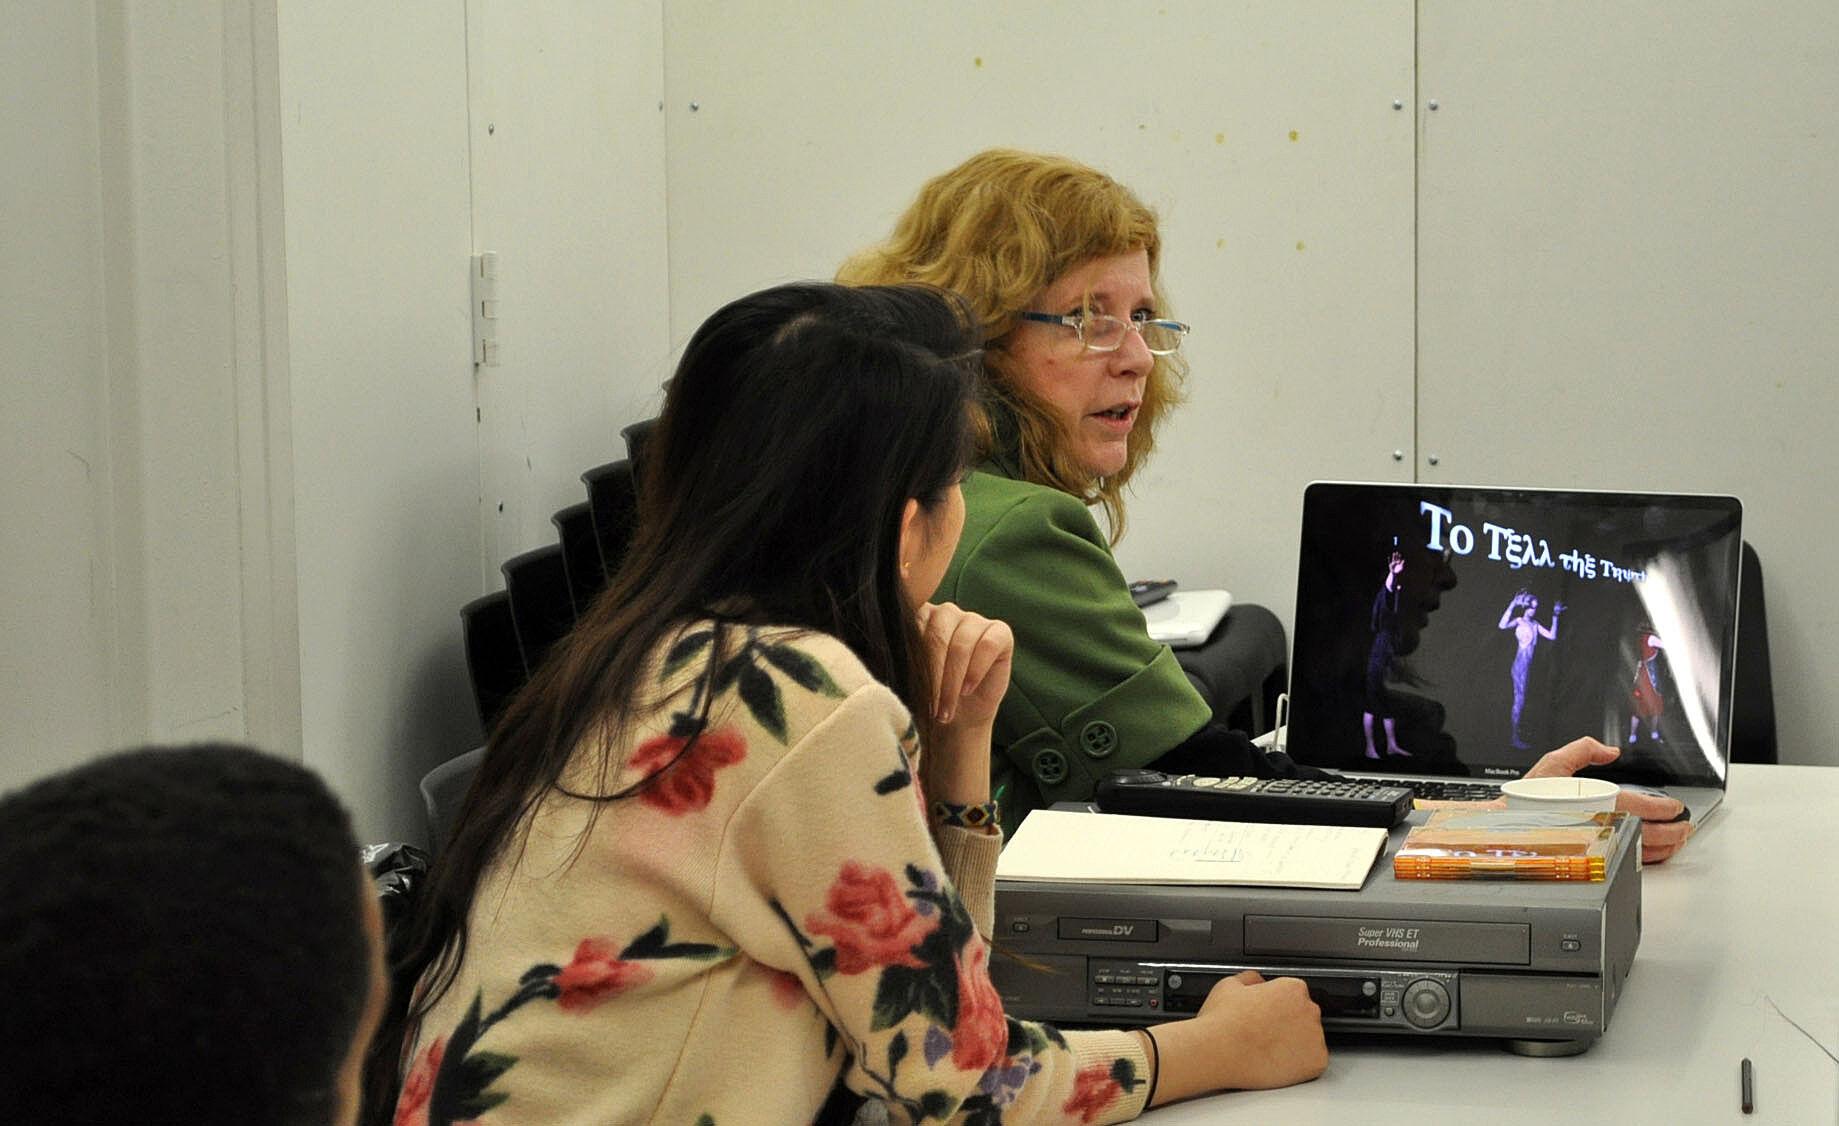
398	870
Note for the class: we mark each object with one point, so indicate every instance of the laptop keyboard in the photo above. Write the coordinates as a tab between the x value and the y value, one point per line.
1436	790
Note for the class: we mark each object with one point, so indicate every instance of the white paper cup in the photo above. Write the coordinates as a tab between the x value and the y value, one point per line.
1571	795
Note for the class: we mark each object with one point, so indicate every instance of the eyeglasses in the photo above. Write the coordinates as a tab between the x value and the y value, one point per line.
1104	333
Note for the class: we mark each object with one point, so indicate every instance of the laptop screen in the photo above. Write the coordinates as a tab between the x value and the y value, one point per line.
1465	631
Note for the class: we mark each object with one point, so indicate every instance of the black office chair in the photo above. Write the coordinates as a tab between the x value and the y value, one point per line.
580	553
637	435
613	501
541	606
494	656
1752	718
442	791
1242	669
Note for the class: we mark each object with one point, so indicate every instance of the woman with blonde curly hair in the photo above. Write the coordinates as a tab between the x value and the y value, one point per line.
997	230
1060	264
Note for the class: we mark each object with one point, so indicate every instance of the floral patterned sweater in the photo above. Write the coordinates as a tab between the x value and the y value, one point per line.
773	914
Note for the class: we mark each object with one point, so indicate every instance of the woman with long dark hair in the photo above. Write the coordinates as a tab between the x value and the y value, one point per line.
730	853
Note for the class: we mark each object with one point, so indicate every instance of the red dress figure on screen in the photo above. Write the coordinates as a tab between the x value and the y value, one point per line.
1518	617
1645	699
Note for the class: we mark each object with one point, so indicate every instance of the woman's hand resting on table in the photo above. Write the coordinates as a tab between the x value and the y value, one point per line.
1250	1034
1661	836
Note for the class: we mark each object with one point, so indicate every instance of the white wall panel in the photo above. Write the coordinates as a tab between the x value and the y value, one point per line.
56	562
124	612
567	126
386	484
174	387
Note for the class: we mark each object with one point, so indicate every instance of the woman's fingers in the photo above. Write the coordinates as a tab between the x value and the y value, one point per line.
1573	757
967	657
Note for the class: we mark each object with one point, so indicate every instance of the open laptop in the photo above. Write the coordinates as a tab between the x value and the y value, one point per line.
1472	629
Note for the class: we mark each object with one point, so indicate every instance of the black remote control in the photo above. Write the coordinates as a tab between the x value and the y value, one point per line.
1290	801
1148	592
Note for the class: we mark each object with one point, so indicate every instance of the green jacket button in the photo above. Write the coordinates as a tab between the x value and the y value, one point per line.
1050	767
1098	738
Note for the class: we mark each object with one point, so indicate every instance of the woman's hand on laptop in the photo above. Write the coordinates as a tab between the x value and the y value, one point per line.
1661	835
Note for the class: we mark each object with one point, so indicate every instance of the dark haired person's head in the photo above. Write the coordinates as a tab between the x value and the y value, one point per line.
798	424
185	936
805	427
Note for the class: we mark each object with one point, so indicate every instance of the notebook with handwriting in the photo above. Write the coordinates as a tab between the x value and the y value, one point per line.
1059	845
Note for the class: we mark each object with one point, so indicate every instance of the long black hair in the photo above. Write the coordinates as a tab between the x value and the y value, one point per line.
799	422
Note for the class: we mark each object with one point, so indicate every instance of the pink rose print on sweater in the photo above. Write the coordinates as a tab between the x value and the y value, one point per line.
870	921
981	1039
680	781
596	974
1094	1090
466	1078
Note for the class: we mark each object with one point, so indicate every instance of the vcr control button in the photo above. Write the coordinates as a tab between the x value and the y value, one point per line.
1426	1003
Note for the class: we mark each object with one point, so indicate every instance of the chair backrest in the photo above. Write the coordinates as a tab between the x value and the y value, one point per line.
494	656
637	435
1752	719
442	791
580	553
613	500
541	605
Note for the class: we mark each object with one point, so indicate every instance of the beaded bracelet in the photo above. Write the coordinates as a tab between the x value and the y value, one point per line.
979	816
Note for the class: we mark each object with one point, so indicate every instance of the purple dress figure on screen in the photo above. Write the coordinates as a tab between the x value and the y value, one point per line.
1518	617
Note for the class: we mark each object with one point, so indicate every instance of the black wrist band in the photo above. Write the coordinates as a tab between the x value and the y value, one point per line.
1155	1068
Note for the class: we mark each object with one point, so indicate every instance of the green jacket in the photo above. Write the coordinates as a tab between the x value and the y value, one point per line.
1091	691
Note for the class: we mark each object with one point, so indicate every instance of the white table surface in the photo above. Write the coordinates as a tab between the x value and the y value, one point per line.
1743	920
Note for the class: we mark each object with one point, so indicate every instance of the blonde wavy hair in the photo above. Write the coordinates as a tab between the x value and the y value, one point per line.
999	229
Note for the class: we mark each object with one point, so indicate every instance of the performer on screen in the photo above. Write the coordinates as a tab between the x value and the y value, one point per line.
1379	660
1519	618
1645	699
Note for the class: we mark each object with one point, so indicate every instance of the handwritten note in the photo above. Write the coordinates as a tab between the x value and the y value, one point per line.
1066	845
